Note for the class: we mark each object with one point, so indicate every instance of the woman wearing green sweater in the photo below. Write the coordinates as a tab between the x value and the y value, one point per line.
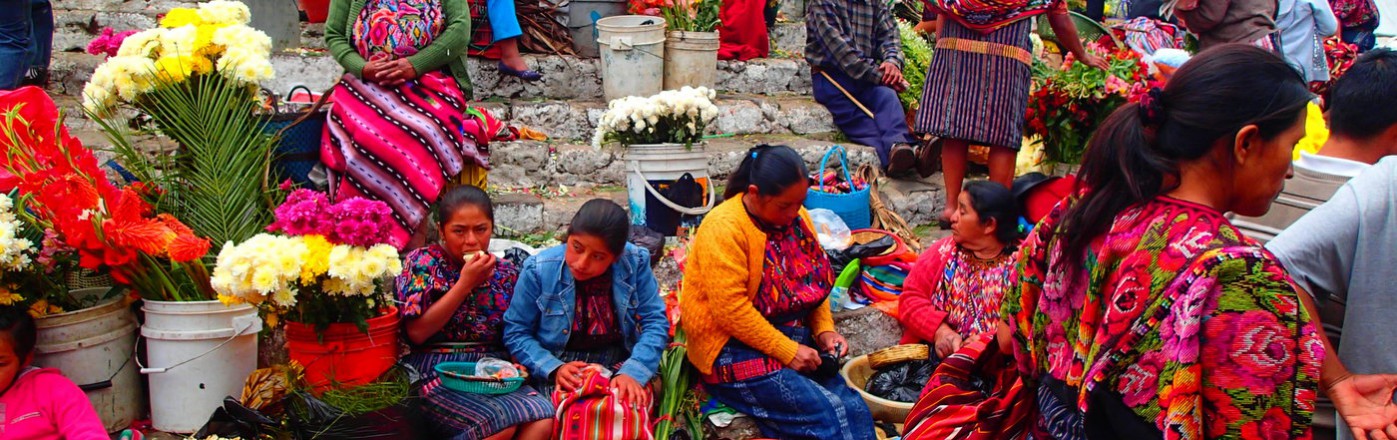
401	129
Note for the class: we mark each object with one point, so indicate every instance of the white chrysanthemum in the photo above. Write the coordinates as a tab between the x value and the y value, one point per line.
224	12
141	44
245	39
245	67
182	40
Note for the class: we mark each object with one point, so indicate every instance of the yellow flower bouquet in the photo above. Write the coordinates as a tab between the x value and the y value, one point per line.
329	267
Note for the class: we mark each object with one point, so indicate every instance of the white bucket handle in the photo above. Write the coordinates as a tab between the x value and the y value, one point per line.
248	324
621	44
712	196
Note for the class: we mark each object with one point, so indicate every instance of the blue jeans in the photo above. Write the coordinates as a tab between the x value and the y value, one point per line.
41	34
15	33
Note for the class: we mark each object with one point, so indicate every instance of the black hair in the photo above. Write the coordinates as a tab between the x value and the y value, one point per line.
1360	103
991	200
603	219
463	196
772	168
1214	95
16	323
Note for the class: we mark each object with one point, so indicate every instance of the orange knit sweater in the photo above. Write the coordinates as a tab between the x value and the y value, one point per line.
721	277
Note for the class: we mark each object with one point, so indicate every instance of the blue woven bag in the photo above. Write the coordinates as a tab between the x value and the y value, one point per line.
851	207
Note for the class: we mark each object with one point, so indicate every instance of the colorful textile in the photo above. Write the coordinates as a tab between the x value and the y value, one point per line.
1355	14
468	416
592	412
950	285
443	54
789	405
400	145
594	326
794	277
1176	319
429	273
990	15
1145	35
392	29
853	37
742	30
611	357
977	97
975	394
721	279
889	124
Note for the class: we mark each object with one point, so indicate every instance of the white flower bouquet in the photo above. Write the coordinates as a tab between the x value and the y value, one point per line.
673	116
190	43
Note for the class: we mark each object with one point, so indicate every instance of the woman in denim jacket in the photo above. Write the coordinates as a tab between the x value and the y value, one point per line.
592	300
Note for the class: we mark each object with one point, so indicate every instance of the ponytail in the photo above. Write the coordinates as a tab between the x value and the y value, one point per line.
772	168
1135	155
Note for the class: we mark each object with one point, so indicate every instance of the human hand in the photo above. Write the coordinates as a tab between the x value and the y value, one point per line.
627	390
569	376
892	75
806	360
397	72
475	272
1365	403
833	343
373	70
1094	61
947	341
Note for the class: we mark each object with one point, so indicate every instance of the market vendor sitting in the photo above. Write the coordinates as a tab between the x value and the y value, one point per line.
590	301
453	297
953	292
855	56
755	307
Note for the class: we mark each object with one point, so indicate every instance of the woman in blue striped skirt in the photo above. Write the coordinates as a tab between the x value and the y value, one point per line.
453	298
977	85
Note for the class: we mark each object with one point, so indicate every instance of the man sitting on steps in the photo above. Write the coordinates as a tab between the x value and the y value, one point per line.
855	56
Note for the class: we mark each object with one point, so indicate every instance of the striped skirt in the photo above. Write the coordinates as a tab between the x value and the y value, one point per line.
611	359
467	416
977	97
400	145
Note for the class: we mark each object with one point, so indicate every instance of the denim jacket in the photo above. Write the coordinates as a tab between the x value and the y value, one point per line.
539	320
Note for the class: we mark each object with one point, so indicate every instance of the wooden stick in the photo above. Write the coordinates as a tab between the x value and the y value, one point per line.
848	95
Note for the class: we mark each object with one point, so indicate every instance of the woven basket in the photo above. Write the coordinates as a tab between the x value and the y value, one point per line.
83	279
897	354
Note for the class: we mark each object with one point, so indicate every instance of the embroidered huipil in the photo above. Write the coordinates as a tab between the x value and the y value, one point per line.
1193	328
951	285
479	319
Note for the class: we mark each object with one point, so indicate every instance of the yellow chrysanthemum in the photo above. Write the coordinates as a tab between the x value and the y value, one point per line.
1316	133
317	258
172	69
8	298
203	39
179	17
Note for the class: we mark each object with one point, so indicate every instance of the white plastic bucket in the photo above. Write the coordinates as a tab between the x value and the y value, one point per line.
691	59
93	347
583	26
649	165
632	55
198	352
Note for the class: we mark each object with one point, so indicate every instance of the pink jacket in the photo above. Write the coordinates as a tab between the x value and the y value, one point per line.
44	405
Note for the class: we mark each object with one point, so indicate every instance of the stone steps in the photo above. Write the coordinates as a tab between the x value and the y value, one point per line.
545	183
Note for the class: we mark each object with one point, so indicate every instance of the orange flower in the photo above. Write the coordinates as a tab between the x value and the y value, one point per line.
188	247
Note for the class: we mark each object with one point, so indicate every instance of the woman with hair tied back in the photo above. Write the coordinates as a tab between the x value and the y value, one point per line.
952	293
755	307
1140	310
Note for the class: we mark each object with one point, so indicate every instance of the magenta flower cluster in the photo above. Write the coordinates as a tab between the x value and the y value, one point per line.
108	43
359	222
303	213
355	221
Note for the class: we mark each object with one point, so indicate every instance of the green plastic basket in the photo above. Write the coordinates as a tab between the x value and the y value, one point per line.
459	376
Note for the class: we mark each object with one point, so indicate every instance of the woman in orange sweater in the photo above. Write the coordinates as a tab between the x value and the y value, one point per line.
756	301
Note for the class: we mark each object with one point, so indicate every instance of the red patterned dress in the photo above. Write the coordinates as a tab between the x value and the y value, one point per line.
1176	327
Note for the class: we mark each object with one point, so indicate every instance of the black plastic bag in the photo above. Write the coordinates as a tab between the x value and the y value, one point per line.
839	259
233	420
516	256
312	418
902	382
650	240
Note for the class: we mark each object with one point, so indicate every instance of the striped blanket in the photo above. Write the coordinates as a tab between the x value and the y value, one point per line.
401	145
592	412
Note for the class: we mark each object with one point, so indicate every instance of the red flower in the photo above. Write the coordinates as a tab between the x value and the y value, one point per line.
188	247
